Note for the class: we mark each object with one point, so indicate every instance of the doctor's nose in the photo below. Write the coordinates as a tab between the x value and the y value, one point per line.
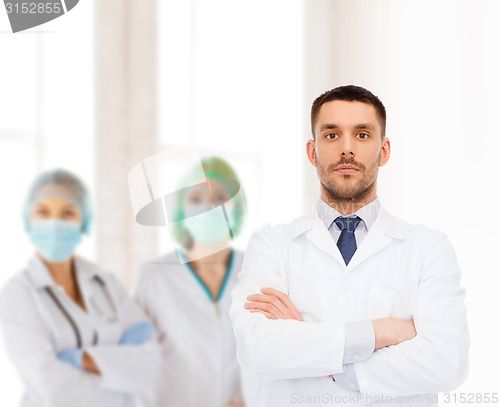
346	147
346	150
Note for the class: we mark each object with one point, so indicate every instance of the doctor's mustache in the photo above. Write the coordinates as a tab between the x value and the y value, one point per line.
347	161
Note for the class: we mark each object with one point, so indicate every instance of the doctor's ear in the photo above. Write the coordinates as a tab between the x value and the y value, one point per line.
311	151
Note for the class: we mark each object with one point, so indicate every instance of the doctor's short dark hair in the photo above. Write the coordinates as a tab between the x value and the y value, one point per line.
349	93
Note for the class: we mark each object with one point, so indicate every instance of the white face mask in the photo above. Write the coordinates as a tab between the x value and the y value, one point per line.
208	225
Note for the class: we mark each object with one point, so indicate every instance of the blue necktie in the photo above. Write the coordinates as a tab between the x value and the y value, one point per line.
347	240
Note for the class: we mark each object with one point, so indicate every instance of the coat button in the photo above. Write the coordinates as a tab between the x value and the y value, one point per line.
356	356
352	385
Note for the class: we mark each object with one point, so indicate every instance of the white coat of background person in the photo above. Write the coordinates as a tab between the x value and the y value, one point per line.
327	321
74	335
186	293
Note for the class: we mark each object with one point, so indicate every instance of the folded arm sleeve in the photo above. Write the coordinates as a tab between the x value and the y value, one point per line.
29	346
279	349
436	360
359	345
359	341
348	379
127	368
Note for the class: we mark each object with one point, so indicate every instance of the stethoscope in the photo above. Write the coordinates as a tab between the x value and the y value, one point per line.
70	319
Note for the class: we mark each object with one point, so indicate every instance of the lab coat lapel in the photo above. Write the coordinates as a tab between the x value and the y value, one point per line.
383	232
321	238
316	233
38	273
374	241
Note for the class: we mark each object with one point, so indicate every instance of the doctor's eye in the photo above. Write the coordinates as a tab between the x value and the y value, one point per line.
363	134
221	198
41	212
194	199
330	136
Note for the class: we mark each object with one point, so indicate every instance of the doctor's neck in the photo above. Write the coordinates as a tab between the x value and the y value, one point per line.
61	272
347	205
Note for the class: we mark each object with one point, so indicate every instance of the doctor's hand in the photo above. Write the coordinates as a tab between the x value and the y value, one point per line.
391	331
89	364
274	304
79	359
137	334
72	357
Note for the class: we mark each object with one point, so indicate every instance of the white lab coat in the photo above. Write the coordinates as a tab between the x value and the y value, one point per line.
35	330
400	270
199	365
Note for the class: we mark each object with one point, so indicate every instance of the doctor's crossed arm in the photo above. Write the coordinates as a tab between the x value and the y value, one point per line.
399	363
361	338
137	334
275	304
138	331
134	361
261	339
79	359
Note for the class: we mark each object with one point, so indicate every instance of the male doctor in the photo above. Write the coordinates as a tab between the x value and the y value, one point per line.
349	304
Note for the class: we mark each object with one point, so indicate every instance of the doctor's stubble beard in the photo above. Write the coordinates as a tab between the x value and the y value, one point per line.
347	191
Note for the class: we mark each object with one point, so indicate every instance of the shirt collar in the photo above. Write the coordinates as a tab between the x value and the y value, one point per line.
367	213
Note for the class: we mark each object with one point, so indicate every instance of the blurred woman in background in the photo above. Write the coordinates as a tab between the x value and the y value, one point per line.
73	333
187	293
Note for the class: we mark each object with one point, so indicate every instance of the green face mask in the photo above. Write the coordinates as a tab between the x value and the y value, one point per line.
210	225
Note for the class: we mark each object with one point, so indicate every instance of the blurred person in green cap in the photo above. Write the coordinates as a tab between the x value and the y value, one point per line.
187	292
